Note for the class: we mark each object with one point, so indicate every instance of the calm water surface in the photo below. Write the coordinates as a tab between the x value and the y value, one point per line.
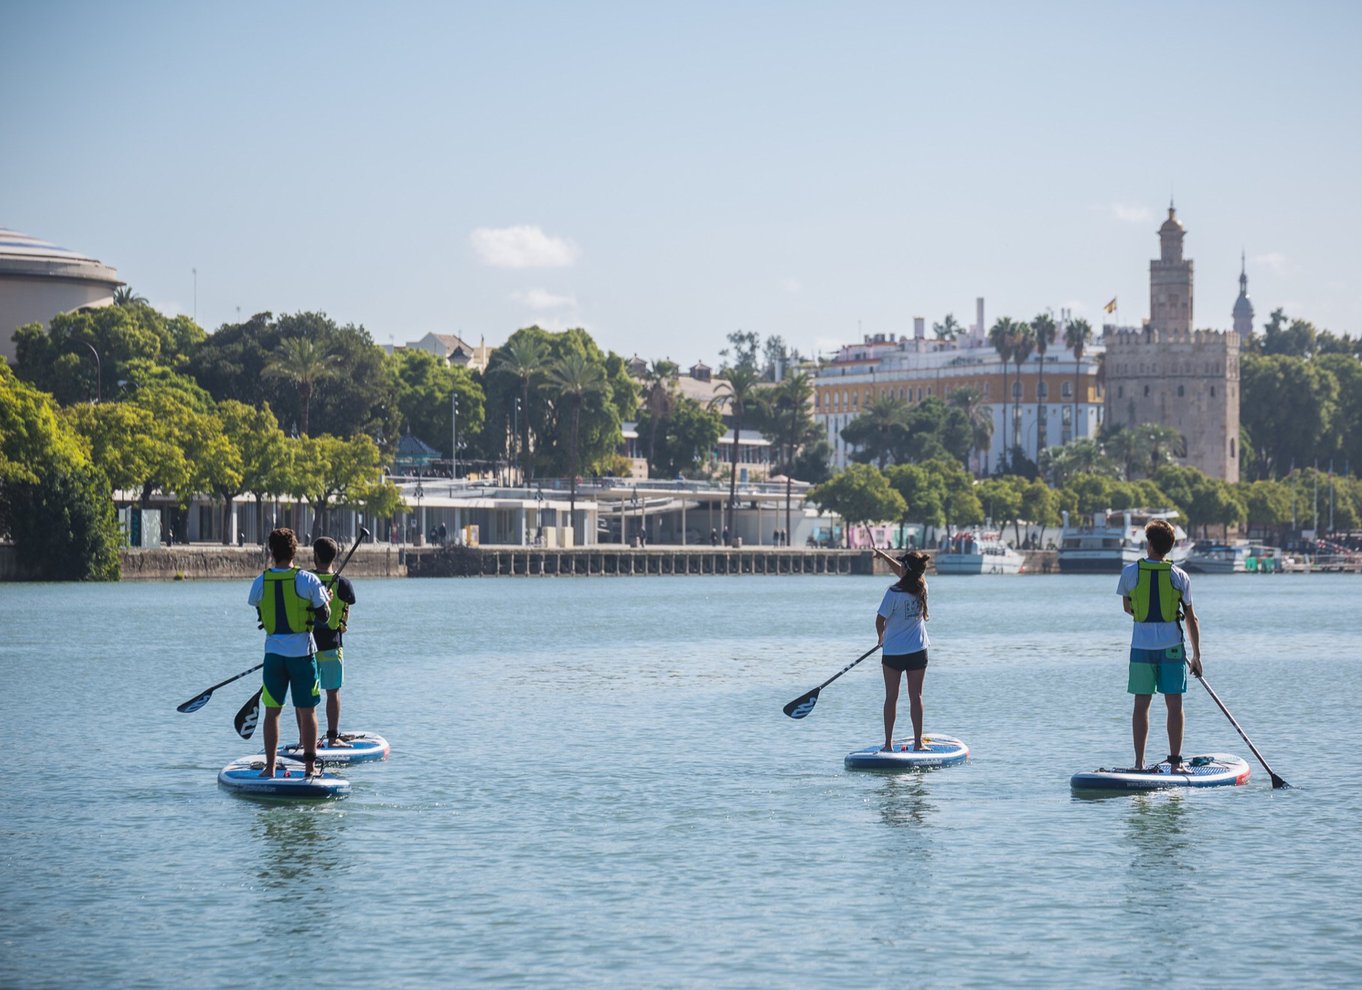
592	784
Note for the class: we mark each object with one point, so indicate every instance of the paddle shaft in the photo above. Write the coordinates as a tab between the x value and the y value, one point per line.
847	667
202	696
1277	782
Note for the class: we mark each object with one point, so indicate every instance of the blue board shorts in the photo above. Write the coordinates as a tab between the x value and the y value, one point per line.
1164	671
329	669
285	673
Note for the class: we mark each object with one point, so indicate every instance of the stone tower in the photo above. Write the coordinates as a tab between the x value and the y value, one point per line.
1170	279
1173	375
1243	309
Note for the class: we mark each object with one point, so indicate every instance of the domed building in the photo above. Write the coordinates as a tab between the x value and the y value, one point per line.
39	280
1243	309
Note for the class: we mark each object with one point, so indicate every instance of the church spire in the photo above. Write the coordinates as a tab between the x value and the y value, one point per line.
1243	309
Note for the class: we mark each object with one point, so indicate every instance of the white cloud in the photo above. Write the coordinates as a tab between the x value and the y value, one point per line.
792	286
544	299
169	308
1131	214
1273	261
521	247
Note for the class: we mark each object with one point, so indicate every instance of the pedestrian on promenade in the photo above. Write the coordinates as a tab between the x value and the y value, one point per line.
328	634
901	624
288	602
1158	596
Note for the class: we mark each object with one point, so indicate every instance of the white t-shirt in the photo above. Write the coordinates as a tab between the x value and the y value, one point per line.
1155	635
310	589
905	631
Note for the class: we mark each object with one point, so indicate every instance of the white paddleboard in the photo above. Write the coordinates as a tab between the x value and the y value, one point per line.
1204	770
940	751
289	781
364	747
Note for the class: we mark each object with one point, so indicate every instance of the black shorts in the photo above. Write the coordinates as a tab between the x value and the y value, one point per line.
905	661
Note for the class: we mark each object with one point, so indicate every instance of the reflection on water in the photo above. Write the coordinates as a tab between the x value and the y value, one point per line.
1162	867
299	851
903	800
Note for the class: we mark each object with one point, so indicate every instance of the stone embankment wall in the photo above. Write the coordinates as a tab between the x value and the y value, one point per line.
218	563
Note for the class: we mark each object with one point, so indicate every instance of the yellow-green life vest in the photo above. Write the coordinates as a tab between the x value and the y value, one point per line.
1154	598
340	610
281	608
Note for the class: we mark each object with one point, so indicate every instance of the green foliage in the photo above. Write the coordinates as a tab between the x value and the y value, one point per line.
1287	405
425	388
879	431
860	494
54	503
683	439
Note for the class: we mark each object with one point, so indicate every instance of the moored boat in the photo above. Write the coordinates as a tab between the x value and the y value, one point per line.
1110	540
978	553
1233	558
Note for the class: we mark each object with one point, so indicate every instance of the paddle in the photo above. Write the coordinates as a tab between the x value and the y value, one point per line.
198	701
1277	782
802	705
249	715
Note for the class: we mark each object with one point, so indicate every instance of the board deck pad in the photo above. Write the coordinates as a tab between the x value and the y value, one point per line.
941	751
289	781
1205	770
365	747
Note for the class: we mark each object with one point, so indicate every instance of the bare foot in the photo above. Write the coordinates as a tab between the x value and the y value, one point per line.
919	748
267	772
337	742
887	748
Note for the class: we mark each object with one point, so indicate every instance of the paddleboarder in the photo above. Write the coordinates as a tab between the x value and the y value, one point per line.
288	602
901	624
328	635
1158	596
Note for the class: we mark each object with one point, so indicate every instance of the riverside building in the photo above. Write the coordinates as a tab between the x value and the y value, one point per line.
39	280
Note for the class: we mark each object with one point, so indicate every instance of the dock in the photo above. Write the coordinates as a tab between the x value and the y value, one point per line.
611	561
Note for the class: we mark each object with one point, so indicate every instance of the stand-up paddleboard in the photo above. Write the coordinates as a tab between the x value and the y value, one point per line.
940	751
364	747
1205	770
289	781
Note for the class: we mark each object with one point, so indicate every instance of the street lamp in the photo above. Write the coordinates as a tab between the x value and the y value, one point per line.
515	439
454	438
99	372
420	513
638	504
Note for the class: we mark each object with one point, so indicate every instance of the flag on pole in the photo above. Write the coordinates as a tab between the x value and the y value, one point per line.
1111	306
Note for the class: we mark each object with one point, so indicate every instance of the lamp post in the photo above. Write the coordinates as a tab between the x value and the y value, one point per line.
99	373
454	437
638	504
420	513
515	439
539	516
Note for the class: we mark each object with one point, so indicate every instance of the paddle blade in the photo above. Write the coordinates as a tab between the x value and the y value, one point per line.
802	705
248	716
194	704
1279	784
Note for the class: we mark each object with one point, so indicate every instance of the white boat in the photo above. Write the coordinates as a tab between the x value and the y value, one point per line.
1114	538
1233	558
978	553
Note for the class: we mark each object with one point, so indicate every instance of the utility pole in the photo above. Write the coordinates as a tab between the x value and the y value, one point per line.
454	438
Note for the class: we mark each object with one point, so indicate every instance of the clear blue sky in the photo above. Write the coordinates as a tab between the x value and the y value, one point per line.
666	174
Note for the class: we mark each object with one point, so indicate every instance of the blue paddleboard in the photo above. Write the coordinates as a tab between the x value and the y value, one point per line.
1205	770
940	751
289	781
364	747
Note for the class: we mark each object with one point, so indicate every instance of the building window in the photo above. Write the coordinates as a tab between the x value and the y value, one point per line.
1231	448
1212	391
1180	391
1120	391
1146	390
1016	391
1066	390
1042	391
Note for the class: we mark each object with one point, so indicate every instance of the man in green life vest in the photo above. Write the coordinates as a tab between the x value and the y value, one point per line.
289	601
1158	596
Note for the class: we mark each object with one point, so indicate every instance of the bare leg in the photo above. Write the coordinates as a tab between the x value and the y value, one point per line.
1139	726
915	701
333	714
307	732
1175	725
271	731
891	702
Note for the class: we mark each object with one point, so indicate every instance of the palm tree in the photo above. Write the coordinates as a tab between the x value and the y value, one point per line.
1077	336
659	398
790	402
525	358
947	329
880	429
1003	336
1022	346
980	418
124	296
1044	328
574	379
738	394
304	361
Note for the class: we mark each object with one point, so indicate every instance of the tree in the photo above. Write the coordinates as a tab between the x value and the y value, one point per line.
54	503
1040	504
740	354
124	296
1043	326
947	329
738	394
791	426
524	358
1296	339
1342	444
1003	337
1077	337
263	458
923	493
575	380
1023	344
1001	498
878	431
426	387
979	419
860	494
1084	455
659	398
684	438
303	362
1287	405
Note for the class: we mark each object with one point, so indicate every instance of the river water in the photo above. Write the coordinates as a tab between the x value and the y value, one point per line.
592	784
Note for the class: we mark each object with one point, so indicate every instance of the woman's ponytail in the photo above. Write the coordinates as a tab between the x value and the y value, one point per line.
914	567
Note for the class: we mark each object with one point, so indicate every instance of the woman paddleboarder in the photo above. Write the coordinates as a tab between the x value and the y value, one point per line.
901	626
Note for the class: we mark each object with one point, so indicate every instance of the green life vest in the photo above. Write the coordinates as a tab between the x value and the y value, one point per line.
1154	598
338	614
281	608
